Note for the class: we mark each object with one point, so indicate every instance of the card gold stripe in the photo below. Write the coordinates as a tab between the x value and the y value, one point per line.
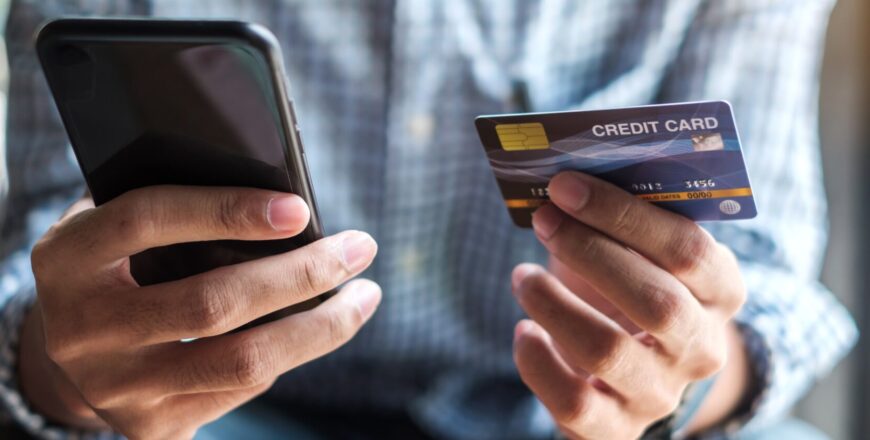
660	197
525	203
696	195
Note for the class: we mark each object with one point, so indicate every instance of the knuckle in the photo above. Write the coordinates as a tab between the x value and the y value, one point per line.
80	409
136	217
210	306
666	308
251	364
97	394
608	354
341	325
66	338
42	257
708	363
589	246
52	252
59	350
231	213
312	275
575	411
691	250
142	315
625	221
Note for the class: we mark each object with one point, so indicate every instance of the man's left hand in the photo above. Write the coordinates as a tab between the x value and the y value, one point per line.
610	359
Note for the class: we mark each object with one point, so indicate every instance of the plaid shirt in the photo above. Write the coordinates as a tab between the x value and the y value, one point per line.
387	92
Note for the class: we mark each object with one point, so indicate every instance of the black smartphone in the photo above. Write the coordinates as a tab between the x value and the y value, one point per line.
155	102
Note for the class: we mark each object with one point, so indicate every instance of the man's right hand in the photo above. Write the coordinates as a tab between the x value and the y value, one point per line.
97	349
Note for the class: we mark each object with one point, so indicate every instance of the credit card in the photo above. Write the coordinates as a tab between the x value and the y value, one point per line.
683	157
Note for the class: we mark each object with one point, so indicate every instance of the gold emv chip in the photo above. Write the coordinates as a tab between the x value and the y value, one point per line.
529	136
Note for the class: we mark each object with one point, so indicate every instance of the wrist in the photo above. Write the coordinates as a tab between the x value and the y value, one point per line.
44	386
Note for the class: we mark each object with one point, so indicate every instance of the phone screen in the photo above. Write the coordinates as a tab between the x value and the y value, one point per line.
142	113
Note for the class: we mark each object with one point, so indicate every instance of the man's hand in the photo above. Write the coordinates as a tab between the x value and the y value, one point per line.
647	312
99	349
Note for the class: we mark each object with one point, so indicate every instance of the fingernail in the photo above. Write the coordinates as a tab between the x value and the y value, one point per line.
522	328
367	296
546	220
521	272
569	191
287	212
358	249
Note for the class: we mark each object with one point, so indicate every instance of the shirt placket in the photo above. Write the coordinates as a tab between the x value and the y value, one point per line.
412	174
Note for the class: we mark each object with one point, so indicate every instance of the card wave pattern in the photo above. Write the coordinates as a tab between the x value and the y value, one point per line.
693	168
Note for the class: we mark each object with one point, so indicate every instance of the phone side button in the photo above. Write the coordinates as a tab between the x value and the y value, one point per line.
294	118
292	105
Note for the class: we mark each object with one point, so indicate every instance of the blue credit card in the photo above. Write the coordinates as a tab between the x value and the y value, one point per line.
683	157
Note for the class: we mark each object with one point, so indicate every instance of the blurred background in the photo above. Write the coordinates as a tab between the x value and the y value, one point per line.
837	405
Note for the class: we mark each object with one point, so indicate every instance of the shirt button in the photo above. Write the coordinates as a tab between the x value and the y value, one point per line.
410	261
421	127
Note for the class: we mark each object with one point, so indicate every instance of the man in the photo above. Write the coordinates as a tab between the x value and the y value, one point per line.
626	308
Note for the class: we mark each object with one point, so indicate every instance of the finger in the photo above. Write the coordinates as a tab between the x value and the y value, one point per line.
78	206
223	299
162	215
672	241
588	340
46	256
652	298
254	356
573	402
580	286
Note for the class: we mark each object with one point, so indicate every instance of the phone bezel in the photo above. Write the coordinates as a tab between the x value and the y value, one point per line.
257	37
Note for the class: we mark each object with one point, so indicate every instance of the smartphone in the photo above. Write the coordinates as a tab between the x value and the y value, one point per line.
156	102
